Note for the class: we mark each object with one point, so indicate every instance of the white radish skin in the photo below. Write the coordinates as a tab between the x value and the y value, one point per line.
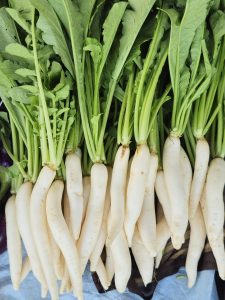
94	214
136	189
117	191
86	193
40	228
65	280
186	171
196	246
144	261
95	255
23	198
175	187
147	220
14	244
56	256
163	235
162	194
26	268
75	191
122	261
109	265
199	177
44	291
62	236
102	275
214	213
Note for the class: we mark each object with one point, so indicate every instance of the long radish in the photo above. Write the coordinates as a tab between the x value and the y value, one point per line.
23	198
122	261
147	220
94	214
175	187
214	213
39	226
95	255
186	172
199	176
144	261
61	234
109	265
13	242
86	193
136	189
26	268
56	257
75	191
196	246
117	192
102	275
162	194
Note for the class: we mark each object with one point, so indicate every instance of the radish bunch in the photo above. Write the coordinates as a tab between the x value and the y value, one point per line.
114	121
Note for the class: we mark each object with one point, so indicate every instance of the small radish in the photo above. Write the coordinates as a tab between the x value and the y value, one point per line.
102	275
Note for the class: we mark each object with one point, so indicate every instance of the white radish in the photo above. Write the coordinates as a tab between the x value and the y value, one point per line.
14	244
163	235
23	199
214	213
102	275
144	261
56	256
196	246
122	261
199	177
186	172
118	192
65	280
26	268
62	236
147	219
75	191
94	214
175	187
109	265
40	228
95	255
162	194
136	189
86	193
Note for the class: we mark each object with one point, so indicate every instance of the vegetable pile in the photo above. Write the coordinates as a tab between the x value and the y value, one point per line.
114	119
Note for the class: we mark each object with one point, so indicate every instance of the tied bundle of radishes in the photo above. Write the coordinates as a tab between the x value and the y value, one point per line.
90	89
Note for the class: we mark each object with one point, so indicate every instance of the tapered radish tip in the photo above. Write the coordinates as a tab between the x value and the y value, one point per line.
177	242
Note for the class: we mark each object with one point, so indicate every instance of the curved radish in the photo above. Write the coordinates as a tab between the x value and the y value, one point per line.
75	191
62	236
199	177
162	194
13	242
144	261
86	193
109	265
56	257
175	187
102	275
186	172
117	191
196	246
122	261
136	189
40	229
214	213
23	198
147	219
94	213
96	253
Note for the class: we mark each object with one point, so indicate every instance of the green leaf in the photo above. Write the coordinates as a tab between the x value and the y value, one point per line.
86	8
53	35
25	72
18	18
217	22
95	49
24	7
184	82
63	93
8	31
20	51
19	95
30	88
